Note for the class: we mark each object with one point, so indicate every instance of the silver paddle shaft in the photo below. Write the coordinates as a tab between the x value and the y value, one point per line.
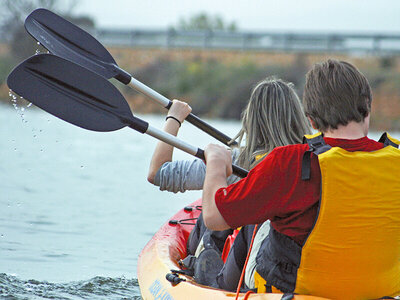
173	141
152	94
177	143
191	118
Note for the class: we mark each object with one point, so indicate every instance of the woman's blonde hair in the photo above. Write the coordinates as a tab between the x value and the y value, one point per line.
273	117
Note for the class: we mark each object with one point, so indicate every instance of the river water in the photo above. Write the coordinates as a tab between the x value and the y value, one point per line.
76	208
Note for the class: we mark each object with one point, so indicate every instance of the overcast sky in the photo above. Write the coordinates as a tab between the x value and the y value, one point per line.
262	15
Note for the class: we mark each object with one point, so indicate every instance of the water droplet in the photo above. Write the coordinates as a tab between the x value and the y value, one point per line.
38	43
34	135
41	150
29	105
81	167
22	109
2	235
40	130
15	149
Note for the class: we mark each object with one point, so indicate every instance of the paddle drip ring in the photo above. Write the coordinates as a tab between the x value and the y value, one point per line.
183	222
192	208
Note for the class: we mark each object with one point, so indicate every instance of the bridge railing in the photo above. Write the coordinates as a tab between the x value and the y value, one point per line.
378	44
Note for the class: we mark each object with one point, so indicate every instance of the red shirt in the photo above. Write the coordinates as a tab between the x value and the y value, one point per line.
274	190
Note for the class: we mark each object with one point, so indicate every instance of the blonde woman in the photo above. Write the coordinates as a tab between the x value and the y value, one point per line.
273	117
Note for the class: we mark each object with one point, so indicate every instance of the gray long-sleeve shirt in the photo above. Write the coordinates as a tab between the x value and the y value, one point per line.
183	175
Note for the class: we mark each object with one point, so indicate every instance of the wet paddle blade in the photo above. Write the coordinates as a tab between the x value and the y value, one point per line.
83	98
67	40
71	93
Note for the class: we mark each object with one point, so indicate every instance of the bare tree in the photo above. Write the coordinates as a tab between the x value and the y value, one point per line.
203	21
14	12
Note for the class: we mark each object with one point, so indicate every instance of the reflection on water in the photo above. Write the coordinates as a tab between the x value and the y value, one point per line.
76	208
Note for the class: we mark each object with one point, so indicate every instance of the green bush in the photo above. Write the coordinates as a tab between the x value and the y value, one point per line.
6	65
212	88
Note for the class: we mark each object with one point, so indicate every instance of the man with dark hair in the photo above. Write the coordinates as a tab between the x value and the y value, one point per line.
333	203
335	94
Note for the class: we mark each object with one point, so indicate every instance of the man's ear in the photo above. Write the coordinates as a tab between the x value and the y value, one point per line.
366	123
312	123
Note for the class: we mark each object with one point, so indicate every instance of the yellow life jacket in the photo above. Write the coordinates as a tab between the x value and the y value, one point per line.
353	251
257	157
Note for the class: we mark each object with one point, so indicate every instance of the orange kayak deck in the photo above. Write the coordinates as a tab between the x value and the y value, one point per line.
162	253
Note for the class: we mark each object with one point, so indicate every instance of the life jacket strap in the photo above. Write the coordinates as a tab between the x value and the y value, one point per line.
317	145
306	166
387	140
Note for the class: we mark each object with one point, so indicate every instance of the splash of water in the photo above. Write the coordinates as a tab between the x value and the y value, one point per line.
19	107
18	103
99	288
37	50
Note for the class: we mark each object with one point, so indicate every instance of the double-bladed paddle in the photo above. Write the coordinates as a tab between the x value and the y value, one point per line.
67	40
83	98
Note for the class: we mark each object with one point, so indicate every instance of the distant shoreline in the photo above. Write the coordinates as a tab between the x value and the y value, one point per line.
217	83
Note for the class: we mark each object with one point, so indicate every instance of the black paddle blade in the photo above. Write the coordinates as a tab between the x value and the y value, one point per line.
71	93
67	40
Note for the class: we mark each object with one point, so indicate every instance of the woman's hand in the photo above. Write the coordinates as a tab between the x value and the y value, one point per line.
220	157
177	113
179	110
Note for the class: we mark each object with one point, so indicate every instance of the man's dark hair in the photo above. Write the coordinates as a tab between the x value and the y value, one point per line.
336	93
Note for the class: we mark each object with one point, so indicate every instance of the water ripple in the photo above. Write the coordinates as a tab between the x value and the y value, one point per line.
96	288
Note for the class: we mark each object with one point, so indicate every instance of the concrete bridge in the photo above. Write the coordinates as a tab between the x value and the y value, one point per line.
346	43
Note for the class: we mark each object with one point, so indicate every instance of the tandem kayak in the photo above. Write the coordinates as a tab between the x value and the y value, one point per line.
162	254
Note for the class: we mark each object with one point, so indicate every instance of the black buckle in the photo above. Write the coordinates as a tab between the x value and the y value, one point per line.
315	145
174	278
287	267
